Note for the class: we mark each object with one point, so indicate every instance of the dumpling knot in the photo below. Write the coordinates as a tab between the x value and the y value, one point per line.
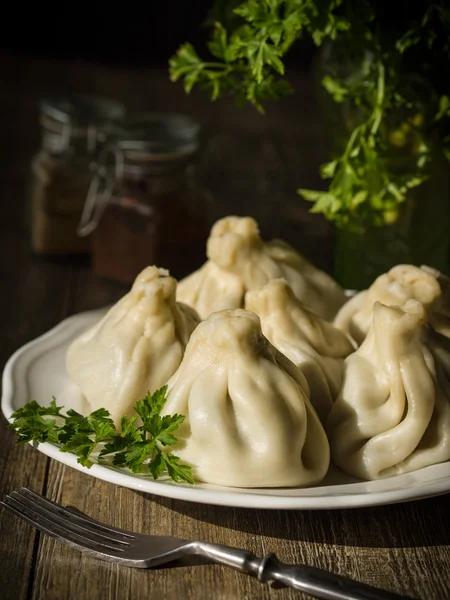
395	288
232	239
406	281
156	285
398	319
232	329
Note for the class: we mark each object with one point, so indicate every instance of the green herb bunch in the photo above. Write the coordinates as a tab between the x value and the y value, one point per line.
397	62
142	449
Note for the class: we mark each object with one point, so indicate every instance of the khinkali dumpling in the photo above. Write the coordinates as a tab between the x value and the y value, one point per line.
136	347
310	342
249	422
239	260
394	288
393	413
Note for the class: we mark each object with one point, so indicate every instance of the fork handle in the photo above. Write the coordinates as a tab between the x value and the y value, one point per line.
315	582
319	583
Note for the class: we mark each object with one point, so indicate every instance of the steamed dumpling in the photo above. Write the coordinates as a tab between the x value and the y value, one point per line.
136	347
401	283
239	261
249	422
310	342
393	413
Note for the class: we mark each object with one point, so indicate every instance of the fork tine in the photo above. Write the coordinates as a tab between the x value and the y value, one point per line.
55	516
76	516
59	531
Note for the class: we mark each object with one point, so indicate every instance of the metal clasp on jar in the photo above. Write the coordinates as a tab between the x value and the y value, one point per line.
101	189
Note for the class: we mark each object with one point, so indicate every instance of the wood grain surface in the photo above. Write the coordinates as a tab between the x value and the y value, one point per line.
252	165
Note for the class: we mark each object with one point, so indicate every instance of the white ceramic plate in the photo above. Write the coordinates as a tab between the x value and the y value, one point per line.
37	372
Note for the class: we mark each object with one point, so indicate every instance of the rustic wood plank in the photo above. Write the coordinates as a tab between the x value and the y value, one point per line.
372	545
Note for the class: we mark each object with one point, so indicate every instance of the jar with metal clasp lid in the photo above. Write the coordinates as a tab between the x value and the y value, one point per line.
145	206
72	132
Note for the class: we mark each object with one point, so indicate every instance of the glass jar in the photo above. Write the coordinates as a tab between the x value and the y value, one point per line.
72	133
145	206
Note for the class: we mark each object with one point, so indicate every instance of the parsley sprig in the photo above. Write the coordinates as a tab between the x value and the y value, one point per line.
389	75
141	449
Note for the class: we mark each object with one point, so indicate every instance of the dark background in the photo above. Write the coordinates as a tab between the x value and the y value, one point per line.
130	34
252	164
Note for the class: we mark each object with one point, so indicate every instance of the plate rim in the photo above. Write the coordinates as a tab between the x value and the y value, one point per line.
262	499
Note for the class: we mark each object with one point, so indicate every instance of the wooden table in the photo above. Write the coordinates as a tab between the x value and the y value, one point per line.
252	164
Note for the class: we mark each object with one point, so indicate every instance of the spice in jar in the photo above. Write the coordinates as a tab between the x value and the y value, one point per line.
145	206
72	133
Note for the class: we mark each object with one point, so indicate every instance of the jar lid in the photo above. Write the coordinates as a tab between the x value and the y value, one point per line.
81	111
76	123
155	136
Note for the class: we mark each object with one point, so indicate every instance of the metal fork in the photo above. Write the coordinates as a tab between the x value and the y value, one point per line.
79	531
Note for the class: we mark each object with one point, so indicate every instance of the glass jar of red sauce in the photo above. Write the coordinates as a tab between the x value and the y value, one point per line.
144	206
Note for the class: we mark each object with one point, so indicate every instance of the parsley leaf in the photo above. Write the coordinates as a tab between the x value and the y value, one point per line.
136	454
157	465
31	424
140	448
176	469
151	405
81	445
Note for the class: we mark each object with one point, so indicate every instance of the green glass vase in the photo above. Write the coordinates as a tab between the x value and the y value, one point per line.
419	236
420	233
